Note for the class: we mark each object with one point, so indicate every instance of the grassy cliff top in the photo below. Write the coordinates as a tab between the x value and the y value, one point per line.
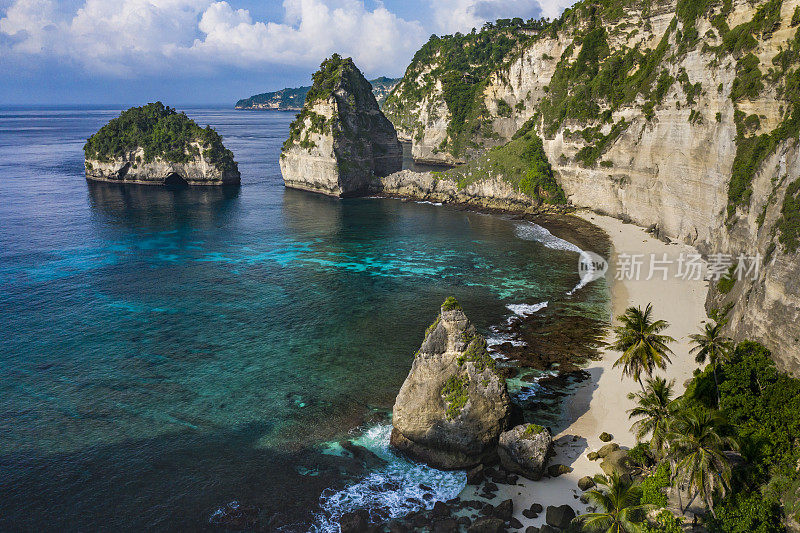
162	132
522	162
335	72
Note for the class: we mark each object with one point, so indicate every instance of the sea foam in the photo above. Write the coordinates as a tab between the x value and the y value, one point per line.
524	310
395	488
534	232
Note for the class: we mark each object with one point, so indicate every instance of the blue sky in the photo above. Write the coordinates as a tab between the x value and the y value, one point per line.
213	51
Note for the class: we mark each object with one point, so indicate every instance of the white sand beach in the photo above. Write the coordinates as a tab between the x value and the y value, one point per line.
600	403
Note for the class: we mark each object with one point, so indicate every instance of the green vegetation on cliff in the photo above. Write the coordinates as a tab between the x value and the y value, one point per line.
754	149
450	304
461	62
455	395
789	224
161	132
522	163
334	73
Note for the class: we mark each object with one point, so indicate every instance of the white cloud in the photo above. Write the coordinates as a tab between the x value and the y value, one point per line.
553	8
451	16
129	37
463	15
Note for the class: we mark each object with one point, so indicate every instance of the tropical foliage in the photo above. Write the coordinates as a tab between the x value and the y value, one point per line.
619	504
732	441
643	346
654	409
697	447
711	344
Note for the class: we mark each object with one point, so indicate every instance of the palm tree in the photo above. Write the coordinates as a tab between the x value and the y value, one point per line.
711	344
621	511
655	407
643	347
697	448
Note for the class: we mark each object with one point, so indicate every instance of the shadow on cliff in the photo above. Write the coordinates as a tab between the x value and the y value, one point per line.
151	206
169	483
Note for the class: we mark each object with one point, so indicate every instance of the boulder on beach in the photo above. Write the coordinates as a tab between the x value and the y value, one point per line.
525	450
453	405
606	437
585	483
558	469
559	517
606	450
487	524
617	462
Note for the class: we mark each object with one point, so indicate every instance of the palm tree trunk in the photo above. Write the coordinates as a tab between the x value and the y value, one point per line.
716	384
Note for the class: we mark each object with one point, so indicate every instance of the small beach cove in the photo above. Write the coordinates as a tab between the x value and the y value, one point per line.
599	403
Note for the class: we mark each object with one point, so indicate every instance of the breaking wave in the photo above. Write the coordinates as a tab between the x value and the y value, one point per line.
395	490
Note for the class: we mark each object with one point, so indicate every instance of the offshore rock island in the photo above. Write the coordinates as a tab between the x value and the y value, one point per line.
340	142
156	145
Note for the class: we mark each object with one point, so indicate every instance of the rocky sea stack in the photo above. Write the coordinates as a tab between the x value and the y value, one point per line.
340	140
156	145
453	405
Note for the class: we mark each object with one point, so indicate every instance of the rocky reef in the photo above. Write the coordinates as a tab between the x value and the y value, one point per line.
340	141
679	115
453	405
156	145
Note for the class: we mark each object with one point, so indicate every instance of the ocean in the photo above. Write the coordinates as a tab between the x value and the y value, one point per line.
168	353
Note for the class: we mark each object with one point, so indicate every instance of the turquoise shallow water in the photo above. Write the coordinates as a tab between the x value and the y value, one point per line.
167	352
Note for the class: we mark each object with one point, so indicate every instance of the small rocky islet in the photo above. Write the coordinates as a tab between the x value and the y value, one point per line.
156	145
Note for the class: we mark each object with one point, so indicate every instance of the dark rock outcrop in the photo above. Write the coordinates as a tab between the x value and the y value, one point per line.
487	524
453	405
585	483
560	516
340	141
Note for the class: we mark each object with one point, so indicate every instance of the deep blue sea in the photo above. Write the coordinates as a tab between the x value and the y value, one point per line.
165	353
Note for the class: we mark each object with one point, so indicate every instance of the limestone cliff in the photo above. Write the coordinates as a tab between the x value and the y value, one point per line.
683	114
156	145
453	406
340	141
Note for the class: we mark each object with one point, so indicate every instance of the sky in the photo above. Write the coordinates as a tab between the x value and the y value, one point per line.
196	52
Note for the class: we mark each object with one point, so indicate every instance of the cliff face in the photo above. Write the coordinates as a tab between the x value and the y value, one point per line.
131	167
682	114
340	141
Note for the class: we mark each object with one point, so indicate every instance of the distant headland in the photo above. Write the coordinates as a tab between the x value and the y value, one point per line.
292	99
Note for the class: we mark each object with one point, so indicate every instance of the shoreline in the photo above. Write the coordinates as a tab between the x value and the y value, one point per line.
599	403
